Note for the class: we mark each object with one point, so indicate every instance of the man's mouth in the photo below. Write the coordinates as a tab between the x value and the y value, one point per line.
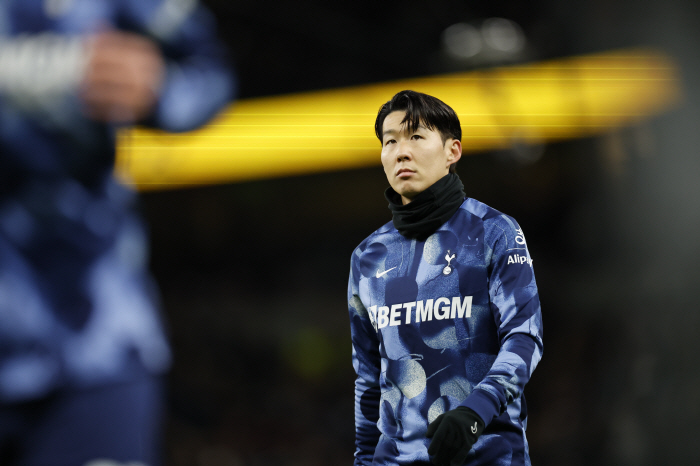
404	172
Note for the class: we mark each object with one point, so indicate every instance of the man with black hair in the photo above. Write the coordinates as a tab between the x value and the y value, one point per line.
445	315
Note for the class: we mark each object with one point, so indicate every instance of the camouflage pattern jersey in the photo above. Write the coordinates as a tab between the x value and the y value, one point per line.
451	321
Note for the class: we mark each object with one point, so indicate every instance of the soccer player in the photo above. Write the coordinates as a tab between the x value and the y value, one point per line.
82	348
444	311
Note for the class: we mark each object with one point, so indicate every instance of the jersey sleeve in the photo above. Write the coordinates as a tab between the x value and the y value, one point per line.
366	362
199	79
516	307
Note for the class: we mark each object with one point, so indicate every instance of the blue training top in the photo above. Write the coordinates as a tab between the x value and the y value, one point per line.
450	321
76	304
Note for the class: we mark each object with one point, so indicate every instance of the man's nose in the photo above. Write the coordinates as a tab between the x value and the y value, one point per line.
403	154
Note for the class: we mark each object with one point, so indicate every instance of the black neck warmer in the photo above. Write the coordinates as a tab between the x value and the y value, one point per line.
428	210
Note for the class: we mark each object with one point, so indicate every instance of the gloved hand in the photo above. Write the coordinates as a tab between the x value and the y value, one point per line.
453	433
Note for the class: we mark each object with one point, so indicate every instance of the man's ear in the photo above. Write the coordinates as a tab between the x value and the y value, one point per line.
454	146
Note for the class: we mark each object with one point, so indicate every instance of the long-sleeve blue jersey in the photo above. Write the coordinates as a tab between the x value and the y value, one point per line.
450	321
76	304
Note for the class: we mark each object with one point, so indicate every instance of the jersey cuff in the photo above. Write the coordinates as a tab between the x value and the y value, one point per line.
483	404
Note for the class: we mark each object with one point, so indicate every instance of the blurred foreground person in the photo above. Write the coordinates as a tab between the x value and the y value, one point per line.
82	348
445	315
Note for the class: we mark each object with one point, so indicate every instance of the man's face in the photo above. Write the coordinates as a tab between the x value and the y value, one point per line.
415	161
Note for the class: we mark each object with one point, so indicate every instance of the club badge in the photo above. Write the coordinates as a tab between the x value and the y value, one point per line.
448	270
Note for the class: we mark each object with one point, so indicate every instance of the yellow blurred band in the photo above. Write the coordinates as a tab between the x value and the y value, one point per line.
334	129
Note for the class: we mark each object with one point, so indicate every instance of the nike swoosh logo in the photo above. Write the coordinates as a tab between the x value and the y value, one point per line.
385	272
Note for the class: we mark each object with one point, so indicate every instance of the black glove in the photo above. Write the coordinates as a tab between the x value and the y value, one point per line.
453	433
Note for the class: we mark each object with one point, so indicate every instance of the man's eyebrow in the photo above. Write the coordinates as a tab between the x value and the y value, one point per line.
394	131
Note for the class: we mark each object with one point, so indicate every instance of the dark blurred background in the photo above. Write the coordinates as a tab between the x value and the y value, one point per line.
254	275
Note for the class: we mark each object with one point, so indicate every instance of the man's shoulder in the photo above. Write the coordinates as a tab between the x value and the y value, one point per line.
492	219
479	209
379	235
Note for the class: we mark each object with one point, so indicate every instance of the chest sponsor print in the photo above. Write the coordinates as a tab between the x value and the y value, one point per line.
424	310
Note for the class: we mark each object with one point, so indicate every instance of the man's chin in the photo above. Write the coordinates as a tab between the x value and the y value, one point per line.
407	195
406	189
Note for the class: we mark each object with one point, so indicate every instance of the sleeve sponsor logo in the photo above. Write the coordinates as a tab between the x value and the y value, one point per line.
518	259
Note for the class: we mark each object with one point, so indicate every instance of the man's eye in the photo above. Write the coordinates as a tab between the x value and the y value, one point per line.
390	141
416	136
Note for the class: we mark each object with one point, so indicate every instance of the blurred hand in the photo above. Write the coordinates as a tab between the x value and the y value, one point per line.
123	76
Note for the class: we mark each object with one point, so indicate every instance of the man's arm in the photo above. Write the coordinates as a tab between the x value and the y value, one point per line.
516	306
366	362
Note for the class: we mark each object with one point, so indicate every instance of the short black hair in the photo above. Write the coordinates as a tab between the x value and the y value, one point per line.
420	108
431	111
